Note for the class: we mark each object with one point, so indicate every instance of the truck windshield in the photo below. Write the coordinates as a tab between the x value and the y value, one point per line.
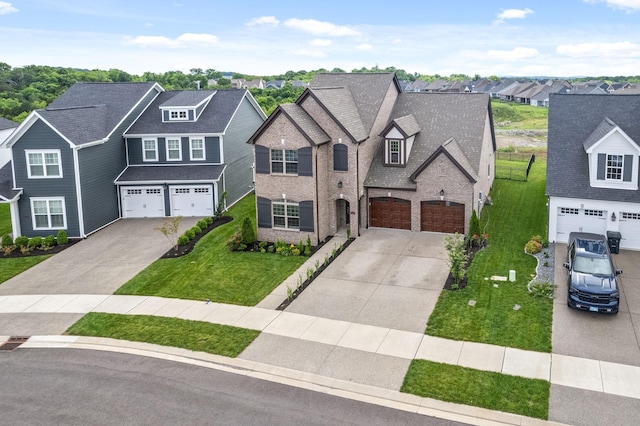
592	265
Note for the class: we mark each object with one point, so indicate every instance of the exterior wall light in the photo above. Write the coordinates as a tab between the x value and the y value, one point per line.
442	195
339	184
613	217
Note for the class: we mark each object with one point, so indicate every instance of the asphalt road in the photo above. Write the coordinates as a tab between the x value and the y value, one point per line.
63	386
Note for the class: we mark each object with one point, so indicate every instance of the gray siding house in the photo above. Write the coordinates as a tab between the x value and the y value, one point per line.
87	159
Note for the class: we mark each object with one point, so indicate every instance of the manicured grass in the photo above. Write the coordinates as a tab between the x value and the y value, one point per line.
10	267
5	219
194	335
518	212
495	391
212	272
516	170
520	117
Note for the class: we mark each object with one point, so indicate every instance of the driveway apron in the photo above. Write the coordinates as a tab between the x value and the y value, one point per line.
387	278
99	264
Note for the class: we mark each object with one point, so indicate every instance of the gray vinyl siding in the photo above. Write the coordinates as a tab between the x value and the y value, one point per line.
211	143
40	136
99	167
238	154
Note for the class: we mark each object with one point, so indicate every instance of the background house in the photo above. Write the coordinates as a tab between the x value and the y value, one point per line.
6	128
592	166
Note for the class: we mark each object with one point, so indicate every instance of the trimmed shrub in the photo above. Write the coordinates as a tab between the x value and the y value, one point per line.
533	247
474	227
183	240
248	232
21	241
48	242
202	224
209	220
7	240
190	233
197	230
537	239
62	237
34	242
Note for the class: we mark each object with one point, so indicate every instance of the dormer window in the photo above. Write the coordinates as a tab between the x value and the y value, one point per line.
614	167
394	151
178	115
399	136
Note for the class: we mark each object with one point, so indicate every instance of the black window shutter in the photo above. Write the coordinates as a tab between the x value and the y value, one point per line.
263	162
264	212
305	165
602	166
628	166
306	216
340	158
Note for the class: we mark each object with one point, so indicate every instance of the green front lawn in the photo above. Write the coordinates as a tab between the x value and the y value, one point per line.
212	272
10	267
193	335
494	391
518	212
5	219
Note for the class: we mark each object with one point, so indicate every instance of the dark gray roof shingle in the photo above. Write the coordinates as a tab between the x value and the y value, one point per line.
603	128
441	117
81	124
187	98
171	174
214	119
407	125
341	104
7	124
6	183
572	120
305	123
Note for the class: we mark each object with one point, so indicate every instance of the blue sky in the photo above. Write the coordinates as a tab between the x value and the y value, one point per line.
560	38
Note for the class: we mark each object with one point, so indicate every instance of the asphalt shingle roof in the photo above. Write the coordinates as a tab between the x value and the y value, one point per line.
6	183
340	102
7	124
305	123
442	117
407	125
214	119
80	124
187	98
572	120
171	174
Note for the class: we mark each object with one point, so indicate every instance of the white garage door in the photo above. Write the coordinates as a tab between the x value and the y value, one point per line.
630	230
192	200
142	201
580	220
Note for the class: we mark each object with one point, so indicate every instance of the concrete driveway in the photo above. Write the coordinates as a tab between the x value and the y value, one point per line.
613	338
99	264
387	278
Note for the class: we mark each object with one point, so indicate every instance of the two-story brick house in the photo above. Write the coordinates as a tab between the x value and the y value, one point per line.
355	151
103	151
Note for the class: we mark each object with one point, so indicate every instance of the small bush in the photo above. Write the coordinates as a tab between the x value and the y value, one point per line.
183	240
537	239
7	250
235	241
62	237
197	230
474	228
295	251
543	289
7	240
208	220
190	233
248	231
262	245
533	247
34	242
21	241
48	242
202	223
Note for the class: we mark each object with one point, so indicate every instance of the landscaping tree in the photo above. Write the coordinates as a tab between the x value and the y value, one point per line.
221	205
474	228
456	250
248	232
169	229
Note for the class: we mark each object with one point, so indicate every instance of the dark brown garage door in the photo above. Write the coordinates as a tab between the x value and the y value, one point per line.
390	212
442	216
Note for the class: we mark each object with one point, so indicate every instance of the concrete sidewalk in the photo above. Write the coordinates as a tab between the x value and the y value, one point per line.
332	337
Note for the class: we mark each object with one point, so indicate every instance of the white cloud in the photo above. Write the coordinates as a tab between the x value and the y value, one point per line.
7	8
182	40
320	28
321	42
515	54
310	53
622	49
270	21
512	14
628	5
364	46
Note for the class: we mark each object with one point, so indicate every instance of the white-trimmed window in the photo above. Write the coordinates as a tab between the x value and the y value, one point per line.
394	151
44	163
614	167
178	115
196	148
48	213
284	161
174	151
149	149
286	214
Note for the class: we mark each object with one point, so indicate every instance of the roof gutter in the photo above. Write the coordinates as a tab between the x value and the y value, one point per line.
90	144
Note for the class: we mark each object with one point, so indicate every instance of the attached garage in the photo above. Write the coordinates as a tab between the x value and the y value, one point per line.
580	220
192	200
388	212
629	229
442	216
142	201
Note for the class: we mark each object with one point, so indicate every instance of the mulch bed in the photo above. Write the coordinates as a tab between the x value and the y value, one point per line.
40	252
449	283
188	248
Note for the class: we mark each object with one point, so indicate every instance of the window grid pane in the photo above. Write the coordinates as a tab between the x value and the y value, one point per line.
614	167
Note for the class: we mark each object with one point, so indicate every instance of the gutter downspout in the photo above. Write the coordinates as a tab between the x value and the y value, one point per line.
317	198
76	166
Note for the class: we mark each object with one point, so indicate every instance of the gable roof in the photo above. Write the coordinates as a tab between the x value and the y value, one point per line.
7	193
407	125
187	98
341	105
601	131
367	89
575	120
214	119
455	121
312	131
7	124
